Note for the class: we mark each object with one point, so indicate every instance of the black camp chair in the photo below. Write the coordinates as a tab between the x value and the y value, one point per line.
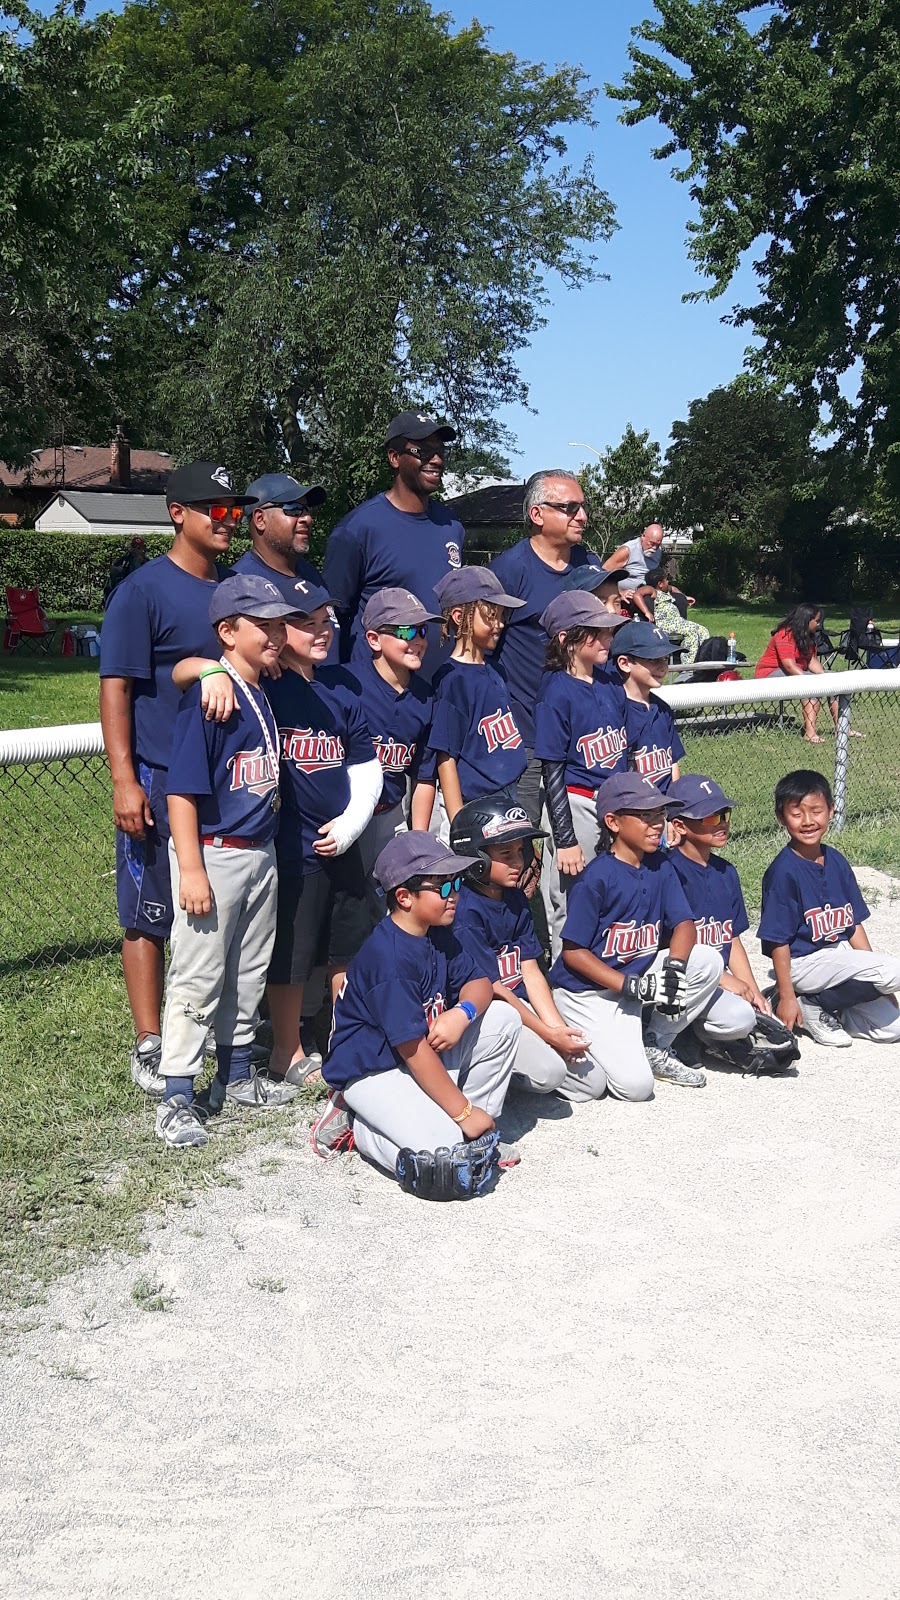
862	643
826	649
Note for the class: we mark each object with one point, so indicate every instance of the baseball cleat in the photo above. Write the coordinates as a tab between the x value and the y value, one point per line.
332	1132
260	1093
146	1055
179	1126
822	1025
667	1068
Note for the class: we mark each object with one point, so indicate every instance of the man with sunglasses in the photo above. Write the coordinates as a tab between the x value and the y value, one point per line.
156	617
280	526
536	571
402	539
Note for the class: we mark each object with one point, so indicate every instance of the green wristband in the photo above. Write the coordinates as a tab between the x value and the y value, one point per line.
208	672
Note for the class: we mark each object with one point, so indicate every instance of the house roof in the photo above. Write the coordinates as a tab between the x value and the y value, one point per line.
143	510
87	467
498	505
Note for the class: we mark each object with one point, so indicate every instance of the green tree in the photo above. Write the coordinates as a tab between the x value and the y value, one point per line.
621	490
68	170
363	207
787	117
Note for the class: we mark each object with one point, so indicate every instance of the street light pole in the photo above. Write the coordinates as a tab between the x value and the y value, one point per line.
579	444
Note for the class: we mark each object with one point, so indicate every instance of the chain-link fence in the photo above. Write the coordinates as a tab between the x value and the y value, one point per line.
57	878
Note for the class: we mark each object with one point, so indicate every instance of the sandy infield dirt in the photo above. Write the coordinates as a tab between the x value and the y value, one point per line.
660	1360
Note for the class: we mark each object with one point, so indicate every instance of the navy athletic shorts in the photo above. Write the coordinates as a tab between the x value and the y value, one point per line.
143	882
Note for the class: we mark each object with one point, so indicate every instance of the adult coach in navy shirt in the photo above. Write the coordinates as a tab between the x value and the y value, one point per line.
535	570
280	525
402	539
155	618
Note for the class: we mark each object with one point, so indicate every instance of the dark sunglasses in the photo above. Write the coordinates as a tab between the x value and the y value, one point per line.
406	631
221	513
425	452
570	507
296	508
445	889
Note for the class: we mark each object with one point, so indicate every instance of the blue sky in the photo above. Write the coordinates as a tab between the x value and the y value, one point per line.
626	350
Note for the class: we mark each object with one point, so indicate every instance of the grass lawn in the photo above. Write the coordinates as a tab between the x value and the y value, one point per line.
79	1164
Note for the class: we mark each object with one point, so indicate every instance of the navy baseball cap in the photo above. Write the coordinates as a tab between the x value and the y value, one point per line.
204	483
395	608
310	596
699	797
243	594
628	791
414	854
642	639
278	489
575	609
473	583
589	578
417	425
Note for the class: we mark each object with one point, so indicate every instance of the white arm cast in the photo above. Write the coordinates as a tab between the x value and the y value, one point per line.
366	778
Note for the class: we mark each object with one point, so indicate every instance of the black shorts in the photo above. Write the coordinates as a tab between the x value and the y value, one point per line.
323	917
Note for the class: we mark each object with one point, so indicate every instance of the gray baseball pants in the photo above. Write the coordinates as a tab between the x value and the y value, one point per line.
541	1068
555	886
726	1017
615	1059
877	1020
219	962
391	1112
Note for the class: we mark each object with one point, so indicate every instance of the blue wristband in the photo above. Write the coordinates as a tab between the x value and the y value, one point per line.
468	1008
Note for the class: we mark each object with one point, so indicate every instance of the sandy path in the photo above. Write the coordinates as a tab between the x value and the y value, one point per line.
661	1360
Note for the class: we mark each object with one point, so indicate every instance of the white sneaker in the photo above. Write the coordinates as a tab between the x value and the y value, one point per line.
668	1069
823	1026
179	1125
145	1059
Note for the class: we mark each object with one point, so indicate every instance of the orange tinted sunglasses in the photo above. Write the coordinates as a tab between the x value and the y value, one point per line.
222	513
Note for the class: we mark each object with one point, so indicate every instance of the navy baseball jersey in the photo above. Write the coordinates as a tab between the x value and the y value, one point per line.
505	927
294	590
522	650
156	617
653	742
806	906
473	723
716	900
226	766
399	724
322	732
582	724
395	988
622	914
378	547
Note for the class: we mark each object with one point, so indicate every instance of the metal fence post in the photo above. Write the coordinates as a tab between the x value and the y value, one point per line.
841	758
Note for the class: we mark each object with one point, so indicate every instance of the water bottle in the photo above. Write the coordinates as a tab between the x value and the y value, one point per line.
731	654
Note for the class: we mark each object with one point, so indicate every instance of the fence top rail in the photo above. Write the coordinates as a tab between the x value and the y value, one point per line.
20	746
805	686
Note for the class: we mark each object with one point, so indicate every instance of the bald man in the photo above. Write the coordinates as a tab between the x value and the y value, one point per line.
637	561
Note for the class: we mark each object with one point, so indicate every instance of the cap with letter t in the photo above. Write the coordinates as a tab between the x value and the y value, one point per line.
697	797
643	641
395	608
243	594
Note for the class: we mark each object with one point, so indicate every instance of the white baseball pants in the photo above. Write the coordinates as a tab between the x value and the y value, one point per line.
555	885
877	1020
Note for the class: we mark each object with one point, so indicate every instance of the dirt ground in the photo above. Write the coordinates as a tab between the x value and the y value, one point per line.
660	1360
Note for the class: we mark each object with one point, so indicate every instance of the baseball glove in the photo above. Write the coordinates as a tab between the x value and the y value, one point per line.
771	1034
449	1174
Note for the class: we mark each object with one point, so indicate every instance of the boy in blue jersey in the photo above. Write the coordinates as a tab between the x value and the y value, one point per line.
474	735
580	739
728	1028
493	914
223	811
403	539
156	617
627	915
642	654
398	711
418	1053
830	981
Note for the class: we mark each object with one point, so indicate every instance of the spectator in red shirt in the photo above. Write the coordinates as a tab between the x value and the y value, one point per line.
792	651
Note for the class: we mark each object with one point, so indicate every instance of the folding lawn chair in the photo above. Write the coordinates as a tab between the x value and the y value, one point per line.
826	649
862	642
26	622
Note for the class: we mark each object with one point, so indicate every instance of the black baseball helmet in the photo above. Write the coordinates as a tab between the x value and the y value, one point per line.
494	819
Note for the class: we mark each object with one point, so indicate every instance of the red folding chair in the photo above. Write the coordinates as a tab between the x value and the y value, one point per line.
26	622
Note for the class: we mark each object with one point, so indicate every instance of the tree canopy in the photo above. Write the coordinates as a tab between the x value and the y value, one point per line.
621	490
787	117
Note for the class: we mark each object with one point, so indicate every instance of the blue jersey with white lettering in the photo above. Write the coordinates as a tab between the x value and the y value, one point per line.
653	742
582	724
226	766
473	723
622	914
806	906
158	615
716	900
378	547
294	590
321	732
522	650
505	927
395	989
399	721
